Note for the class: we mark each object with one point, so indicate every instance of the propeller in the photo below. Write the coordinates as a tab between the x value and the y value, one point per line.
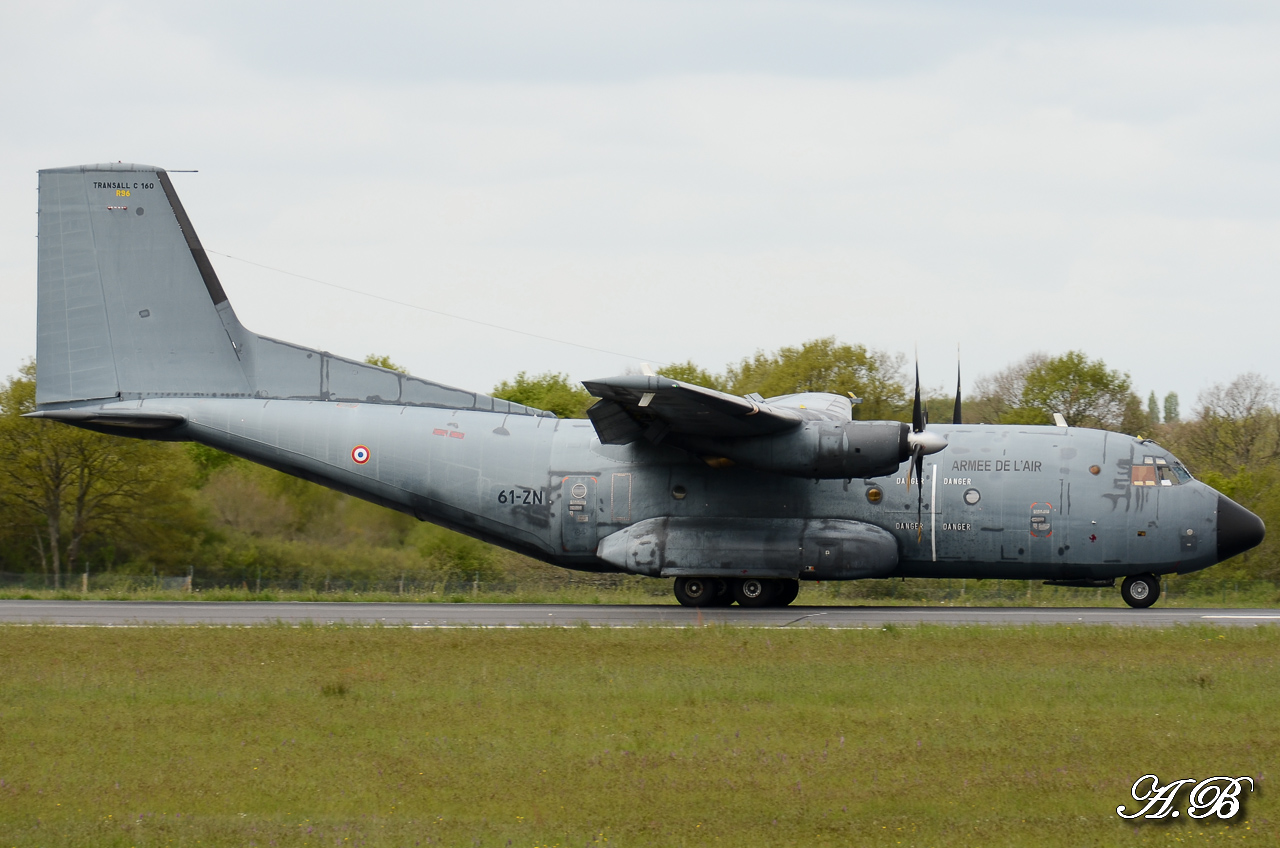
921	442
955	417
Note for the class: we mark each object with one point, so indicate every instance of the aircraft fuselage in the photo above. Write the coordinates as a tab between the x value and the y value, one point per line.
1053	503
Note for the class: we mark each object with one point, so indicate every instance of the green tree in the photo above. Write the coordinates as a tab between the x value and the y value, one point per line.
1237	427
550	391
67	485
206	460
1153	409
1233	444
688	372
383	361
824	365
996	396
1171	414
1084	390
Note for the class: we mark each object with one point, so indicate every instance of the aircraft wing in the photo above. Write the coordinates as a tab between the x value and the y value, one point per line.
634	406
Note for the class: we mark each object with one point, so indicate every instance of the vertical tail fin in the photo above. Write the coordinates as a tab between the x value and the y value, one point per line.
128	304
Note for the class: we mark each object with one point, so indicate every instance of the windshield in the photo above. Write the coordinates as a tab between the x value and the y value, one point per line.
1158	471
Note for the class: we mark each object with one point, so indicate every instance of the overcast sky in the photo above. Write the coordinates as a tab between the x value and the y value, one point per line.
687	180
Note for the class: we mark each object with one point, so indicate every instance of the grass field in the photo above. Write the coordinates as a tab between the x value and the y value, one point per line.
563	737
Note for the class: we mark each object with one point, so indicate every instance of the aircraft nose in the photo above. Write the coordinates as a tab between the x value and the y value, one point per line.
1238	529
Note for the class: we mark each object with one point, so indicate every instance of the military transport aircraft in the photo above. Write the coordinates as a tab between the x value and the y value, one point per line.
737	498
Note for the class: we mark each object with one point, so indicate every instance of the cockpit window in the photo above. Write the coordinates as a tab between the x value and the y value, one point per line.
1144	475
1158	471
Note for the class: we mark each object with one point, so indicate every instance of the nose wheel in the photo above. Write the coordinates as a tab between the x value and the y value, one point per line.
1141	590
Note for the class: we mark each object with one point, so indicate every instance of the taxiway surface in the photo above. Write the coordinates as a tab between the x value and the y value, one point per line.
125	613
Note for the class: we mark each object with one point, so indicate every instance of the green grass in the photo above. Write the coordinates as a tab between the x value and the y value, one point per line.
548	736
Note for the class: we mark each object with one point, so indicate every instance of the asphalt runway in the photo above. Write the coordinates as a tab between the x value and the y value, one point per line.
141	613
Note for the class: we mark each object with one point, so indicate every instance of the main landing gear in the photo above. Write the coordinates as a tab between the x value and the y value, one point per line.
1140	590
747	591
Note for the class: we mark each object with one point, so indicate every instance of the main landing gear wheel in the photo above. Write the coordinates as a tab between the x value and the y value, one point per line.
696	591
1140	590
787	591
754	592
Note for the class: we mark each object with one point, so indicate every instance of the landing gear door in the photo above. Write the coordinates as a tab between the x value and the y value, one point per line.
578	512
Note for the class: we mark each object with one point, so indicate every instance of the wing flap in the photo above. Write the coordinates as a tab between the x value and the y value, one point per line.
613	425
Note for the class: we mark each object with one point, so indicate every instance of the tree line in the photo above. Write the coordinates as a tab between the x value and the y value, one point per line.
72	500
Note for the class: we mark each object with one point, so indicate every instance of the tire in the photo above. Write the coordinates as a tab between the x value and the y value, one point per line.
1140	590
754	591
695	591
787	591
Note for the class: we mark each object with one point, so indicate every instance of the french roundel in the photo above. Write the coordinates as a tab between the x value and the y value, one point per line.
359	454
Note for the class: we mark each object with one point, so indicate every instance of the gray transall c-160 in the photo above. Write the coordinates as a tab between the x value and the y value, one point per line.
737	498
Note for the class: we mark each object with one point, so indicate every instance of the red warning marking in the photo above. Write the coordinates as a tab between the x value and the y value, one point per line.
439	432
359	454
457	435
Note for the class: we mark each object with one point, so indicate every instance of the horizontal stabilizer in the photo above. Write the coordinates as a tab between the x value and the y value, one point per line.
131	419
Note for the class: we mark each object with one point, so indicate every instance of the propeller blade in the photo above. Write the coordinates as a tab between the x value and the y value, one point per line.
917	411
955	418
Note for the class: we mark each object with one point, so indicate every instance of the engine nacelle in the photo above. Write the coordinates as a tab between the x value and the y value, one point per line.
823	450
